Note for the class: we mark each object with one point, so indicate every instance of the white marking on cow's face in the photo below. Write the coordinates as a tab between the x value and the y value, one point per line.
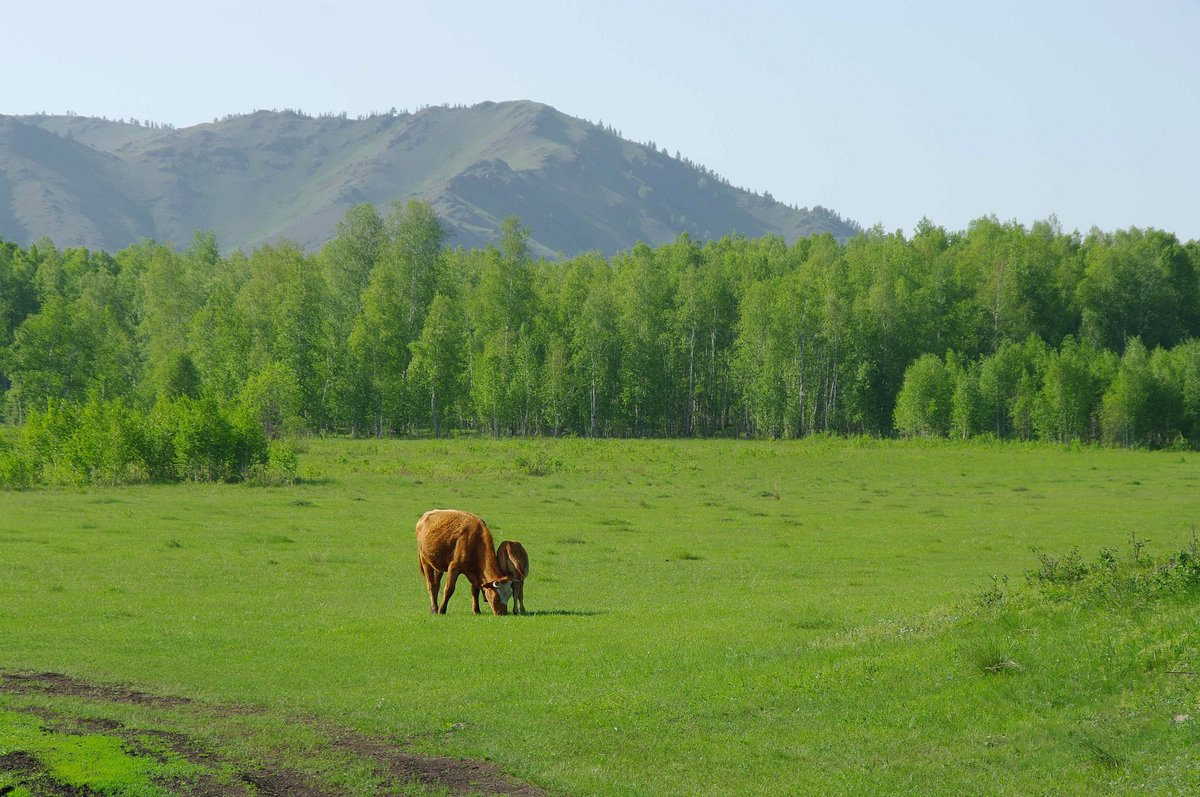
504	592
498	596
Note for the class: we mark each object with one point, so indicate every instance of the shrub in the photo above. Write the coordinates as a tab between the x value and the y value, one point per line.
278	470
45	430
1111	579
539	463
272	397
18	468
103	444
197	440
108	442
924	406
250	444
1059	570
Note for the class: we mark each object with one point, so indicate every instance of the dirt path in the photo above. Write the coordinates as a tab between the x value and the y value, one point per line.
401	767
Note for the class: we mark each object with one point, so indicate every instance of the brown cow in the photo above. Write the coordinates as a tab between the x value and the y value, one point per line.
514	563
459	543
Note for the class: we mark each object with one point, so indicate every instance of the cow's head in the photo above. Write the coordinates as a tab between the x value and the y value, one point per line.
498	593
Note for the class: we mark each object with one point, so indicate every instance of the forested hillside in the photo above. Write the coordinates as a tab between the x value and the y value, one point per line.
998	330
262	177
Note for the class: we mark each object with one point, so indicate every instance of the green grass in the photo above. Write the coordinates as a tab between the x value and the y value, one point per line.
89	760
707	617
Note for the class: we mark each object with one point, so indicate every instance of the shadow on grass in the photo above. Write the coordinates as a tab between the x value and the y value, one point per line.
318	480
565	613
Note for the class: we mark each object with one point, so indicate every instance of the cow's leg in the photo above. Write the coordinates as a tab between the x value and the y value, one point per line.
474	599
451	577
433	580
519	596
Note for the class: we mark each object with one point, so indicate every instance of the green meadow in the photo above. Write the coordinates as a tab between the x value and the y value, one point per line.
817	617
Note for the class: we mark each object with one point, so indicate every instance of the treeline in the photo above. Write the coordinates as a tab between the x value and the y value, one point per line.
1000	329
1076	392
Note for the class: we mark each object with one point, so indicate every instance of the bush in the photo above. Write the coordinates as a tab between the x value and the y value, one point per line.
103	445
280	467
107	442
45	430
1060	570
18	468
272	397
1112	579
924	406
197	440
539	463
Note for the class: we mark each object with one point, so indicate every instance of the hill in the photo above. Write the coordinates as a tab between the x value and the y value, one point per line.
268	175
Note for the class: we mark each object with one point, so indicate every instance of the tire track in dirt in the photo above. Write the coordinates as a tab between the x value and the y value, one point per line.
401	767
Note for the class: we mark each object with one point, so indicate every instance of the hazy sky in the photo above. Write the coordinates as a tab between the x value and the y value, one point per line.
882	111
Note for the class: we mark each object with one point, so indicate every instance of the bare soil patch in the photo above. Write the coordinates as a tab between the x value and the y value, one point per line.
457	775
54	683
33	775
401	767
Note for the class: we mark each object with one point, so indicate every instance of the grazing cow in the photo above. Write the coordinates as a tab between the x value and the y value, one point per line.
459	543
514	563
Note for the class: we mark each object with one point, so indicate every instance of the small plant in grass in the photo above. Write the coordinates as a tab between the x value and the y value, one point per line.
1103	753
1137	545
539	463
997	661
995	594
1059	570
1112	580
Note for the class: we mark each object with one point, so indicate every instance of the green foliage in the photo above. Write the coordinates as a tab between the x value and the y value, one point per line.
387	331
967	414
1137	283
19	467
925	404
538	463
108	442
1131	400
1068	405
439	360
279	469
272	397
181	377
1115	580
198	440
66	350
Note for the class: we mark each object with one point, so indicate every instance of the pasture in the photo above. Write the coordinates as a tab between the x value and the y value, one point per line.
705	618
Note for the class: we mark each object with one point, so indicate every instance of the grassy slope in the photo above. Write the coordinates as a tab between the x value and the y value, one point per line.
710	617
266	175
56	187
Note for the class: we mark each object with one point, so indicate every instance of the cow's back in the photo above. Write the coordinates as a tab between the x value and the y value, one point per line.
513	560
446	535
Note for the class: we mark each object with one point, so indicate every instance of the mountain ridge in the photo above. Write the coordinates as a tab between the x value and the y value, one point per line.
270	175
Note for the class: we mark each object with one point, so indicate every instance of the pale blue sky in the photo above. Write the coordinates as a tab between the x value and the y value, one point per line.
882	111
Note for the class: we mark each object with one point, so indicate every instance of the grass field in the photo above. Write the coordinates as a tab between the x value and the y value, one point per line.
707	617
